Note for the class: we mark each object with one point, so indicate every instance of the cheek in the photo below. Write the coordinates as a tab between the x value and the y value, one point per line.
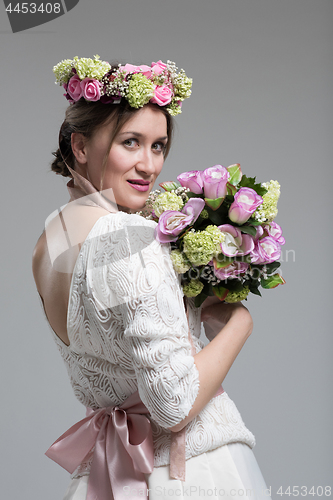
160	166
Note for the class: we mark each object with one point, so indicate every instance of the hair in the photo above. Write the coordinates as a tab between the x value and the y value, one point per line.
85	118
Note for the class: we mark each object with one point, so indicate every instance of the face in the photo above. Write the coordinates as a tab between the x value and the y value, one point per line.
135	158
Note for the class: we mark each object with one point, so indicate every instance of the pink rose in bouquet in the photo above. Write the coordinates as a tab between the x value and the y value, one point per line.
232	271
214	181
74	88
162	95
171	223
266	250
235	243
274	230
191	180
246	202
91	89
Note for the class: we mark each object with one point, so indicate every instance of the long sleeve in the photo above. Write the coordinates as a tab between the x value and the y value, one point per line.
141	288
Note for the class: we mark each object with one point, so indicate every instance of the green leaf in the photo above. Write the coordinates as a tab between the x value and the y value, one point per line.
234	285
250	182
235	174
231	189
248	230
272	281
220	292
214	204
272	267
199	299
215	217
189	194
254	222
255	290
222	261
170	185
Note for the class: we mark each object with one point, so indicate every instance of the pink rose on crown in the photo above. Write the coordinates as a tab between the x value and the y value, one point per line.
91	89
162	95
158	67
74	88
130	68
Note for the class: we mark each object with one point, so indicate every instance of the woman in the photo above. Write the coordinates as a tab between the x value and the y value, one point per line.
115	305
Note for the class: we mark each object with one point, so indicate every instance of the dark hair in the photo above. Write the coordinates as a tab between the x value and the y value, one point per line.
85	117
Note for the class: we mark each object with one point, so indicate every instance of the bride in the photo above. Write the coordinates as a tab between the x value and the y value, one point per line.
158	422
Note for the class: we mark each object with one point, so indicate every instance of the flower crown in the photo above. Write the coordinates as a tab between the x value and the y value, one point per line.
96	80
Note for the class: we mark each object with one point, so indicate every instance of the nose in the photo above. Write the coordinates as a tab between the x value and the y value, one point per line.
146	161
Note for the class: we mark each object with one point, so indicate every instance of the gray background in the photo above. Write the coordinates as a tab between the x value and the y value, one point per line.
262	97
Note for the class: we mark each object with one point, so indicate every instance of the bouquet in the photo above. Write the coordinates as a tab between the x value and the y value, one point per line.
220	224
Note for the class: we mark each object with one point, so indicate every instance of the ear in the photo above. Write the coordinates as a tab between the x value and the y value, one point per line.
78	143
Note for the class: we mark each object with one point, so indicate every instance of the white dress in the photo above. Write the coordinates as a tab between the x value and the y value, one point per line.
128	332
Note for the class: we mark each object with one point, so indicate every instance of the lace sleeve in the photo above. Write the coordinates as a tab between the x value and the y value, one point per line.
141	287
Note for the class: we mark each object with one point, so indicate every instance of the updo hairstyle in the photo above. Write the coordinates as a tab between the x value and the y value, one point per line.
85	117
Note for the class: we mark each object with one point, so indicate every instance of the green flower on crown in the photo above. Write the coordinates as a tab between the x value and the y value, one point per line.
84	67
140	90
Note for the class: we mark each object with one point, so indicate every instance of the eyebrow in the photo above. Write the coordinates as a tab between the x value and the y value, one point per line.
138	134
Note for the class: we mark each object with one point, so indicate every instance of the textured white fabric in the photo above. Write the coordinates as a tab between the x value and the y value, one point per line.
227	473
128	331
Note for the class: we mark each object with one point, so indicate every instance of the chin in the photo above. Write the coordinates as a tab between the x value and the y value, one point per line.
132	207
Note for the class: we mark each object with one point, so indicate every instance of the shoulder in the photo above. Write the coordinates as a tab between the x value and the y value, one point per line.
59	244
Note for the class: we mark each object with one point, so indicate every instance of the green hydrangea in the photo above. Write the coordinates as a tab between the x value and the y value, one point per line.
167	201
63	71
193	288
91	68
182	85
218	237
85	68
237	296
199	247
179	261
174	108
268	210
140	90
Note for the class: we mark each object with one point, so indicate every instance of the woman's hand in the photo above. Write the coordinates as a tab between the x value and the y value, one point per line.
216	314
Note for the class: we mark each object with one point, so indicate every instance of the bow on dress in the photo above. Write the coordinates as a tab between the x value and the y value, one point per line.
123	449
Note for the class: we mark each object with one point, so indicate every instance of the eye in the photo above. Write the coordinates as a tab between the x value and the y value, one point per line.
130	142
159	147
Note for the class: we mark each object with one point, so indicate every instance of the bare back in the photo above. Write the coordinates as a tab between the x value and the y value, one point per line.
54	258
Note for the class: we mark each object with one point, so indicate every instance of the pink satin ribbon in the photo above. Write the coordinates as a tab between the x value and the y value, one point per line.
177	451
123	451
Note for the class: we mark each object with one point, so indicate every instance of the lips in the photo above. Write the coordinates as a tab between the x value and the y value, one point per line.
139	184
